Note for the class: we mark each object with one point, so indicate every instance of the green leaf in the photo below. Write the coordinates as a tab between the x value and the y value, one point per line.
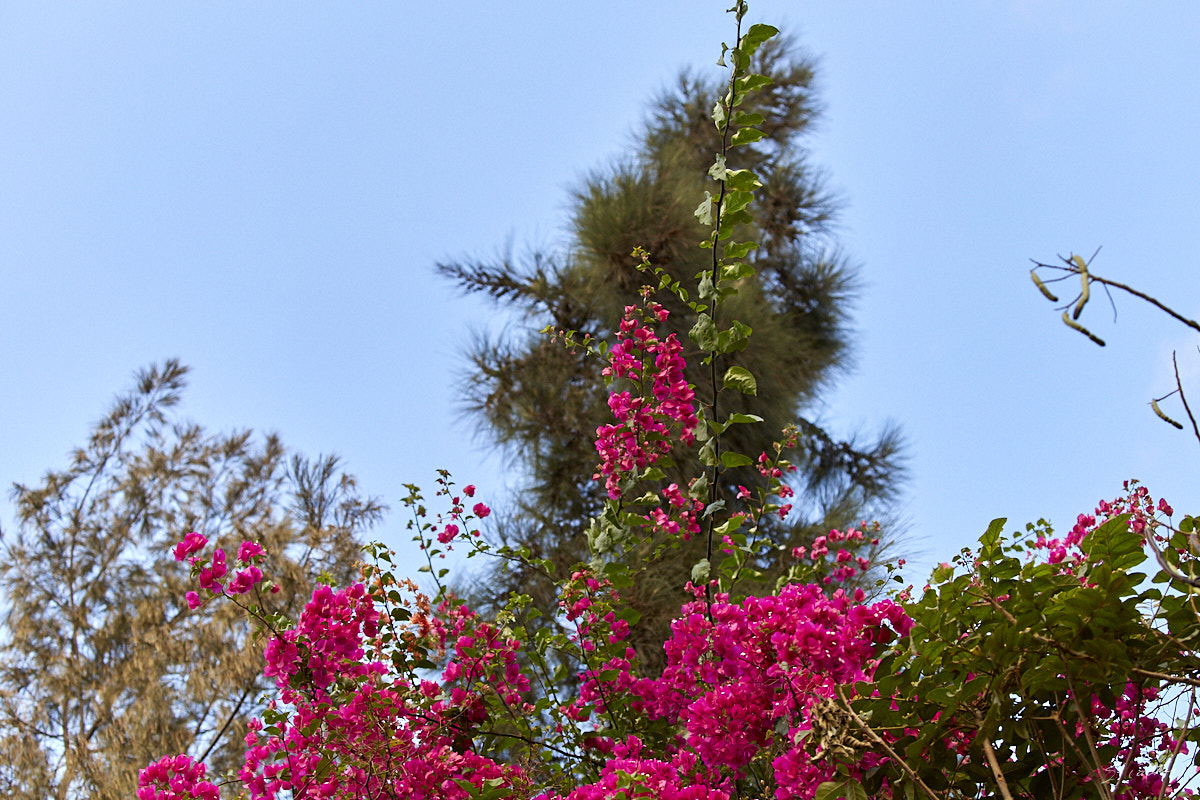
734	272
700	571
743	180
844	790
991	537
718	170
743	418
747	118
740	378
719	115
731	460
750	83
729	526
1114	544
704	333
743	136
754	37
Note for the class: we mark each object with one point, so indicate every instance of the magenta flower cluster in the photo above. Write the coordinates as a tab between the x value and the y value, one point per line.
352	730
739	673
662	398
175	778
212	574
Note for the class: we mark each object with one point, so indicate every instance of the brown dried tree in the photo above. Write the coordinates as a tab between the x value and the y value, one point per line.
104	668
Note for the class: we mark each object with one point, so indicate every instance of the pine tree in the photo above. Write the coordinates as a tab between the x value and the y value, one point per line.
104	668
542	404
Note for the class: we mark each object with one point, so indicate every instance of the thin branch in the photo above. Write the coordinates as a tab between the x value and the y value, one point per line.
1072	268
1105	791
1191	323
229	721
875	737
714	491
1183	397
995	765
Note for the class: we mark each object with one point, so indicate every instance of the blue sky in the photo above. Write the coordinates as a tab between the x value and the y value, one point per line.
262	190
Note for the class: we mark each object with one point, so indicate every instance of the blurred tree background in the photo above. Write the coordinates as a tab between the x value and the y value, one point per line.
104	668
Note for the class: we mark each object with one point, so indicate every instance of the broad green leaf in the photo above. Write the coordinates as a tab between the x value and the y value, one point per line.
745	136
754	37
740	378
729	526
749	83
719	115
743	180
734	338
991	537
734	272
743	418
731	460
700	571
704	333
747	118
737	250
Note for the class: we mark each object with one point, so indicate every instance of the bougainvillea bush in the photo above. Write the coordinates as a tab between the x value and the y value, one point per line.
1036	666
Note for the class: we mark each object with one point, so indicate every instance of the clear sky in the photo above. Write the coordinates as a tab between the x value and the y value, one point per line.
262	189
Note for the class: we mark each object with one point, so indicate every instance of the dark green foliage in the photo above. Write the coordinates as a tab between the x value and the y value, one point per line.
541	404
1001	648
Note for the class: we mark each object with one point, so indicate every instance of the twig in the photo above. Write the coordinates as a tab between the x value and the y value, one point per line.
1105	791
995	765
875	737
1183	397
1191	323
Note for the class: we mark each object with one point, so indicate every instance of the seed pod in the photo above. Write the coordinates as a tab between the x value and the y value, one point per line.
1162	416
1042	287
1086	281
1073	324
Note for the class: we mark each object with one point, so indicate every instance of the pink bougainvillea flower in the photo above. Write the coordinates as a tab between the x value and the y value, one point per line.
210	577
249	551
244	581
190	544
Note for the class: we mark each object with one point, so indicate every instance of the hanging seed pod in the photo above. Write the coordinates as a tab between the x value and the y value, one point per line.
1086	290
1042	287
1070	323
1162	416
